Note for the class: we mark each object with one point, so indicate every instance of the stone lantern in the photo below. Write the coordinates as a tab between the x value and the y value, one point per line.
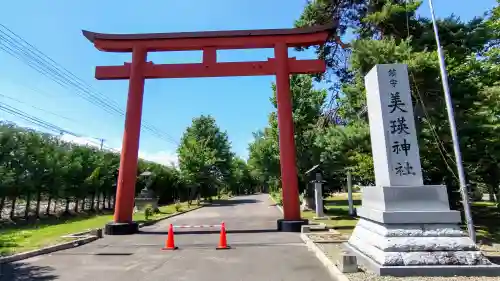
146	196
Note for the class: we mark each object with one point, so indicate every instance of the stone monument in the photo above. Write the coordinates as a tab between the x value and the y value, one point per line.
406	228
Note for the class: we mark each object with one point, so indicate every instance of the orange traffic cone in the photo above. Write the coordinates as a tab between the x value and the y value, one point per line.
222	239
170	244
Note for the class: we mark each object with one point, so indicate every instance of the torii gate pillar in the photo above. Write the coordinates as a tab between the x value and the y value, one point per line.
289	180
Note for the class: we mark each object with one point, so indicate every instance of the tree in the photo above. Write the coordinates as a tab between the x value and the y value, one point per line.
205	156
390	31
307	111
241	180
40	167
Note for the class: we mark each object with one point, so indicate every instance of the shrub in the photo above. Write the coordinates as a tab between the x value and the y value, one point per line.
178	206
148	212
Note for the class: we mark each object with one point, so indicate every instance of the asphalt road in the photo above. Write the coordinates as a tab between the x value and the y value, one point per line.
258	251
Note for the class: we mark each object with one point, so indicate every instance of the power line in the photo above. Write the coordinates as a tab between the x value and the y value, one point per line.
37	108
35	120
48	126
19	48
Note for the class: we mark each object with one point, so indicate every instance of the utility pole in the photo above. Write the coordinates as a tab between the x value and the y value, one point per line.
453	128
102	143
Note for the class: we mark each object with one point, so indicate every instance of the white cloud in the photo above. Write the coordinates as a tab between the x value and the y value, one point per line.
81	140
166	158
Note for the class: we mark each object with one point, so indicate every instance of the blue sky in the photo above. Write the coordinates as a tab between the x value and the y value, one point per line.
239	104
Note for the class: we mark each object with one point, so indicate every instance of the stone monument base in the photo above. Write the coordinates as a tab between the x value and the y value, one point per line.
410	231
422	270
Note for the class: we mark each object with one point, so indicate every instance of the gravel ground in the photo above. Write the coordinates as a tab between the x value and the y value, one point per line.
328	237
362	276
333	251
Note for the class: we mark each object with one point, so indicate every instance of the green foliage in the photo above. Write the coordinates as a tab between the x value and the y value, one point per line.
40	168
178	206
264	151
391	32
278	198
207	164
148	212
494	21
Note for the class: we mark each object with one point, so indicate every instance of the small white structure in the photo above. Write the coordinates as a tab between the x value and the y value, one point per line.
318	190
318	195
406	228
349	194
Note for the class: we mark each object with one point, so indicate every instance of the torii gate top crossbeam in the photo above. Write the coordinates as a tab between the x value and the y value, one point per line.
232	39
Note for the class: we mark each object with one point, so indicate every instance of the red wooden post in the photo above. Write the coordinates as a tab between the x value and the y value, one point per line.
125	192
289	181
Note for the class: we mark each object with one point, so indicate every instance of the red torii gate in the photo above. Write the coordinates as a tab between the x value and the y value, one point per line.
209	42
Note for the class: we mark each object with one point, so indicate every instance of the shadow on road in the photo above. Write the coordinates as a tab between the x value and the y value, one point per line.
231	202
19	271
494	259
187	232
197	245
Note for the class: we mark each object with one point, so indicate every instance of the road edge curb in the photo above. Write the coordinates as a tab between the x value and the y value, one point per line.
78	242
48	250
276	204
152	222
334	272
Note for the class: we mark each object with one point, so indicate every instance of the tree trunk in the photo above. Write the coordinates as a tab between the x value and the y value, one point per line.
97	205
492	195
493	182
92	201
66	209
2	205
13	208
55	206
309	202
47	211
491	192
38	201
82	208
103	201
109	201
77	201
27	206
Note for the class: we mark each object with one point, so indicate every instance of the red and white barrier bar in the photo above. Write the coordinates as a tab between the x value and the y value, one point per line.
197	226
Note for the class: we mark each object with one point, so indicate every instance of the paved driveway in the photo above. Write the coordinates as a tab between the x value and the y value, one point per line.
258	252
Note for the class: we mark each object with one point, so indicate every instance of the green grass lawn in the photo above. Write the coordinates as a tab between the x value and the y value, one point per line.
21	238
337	211
485	215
